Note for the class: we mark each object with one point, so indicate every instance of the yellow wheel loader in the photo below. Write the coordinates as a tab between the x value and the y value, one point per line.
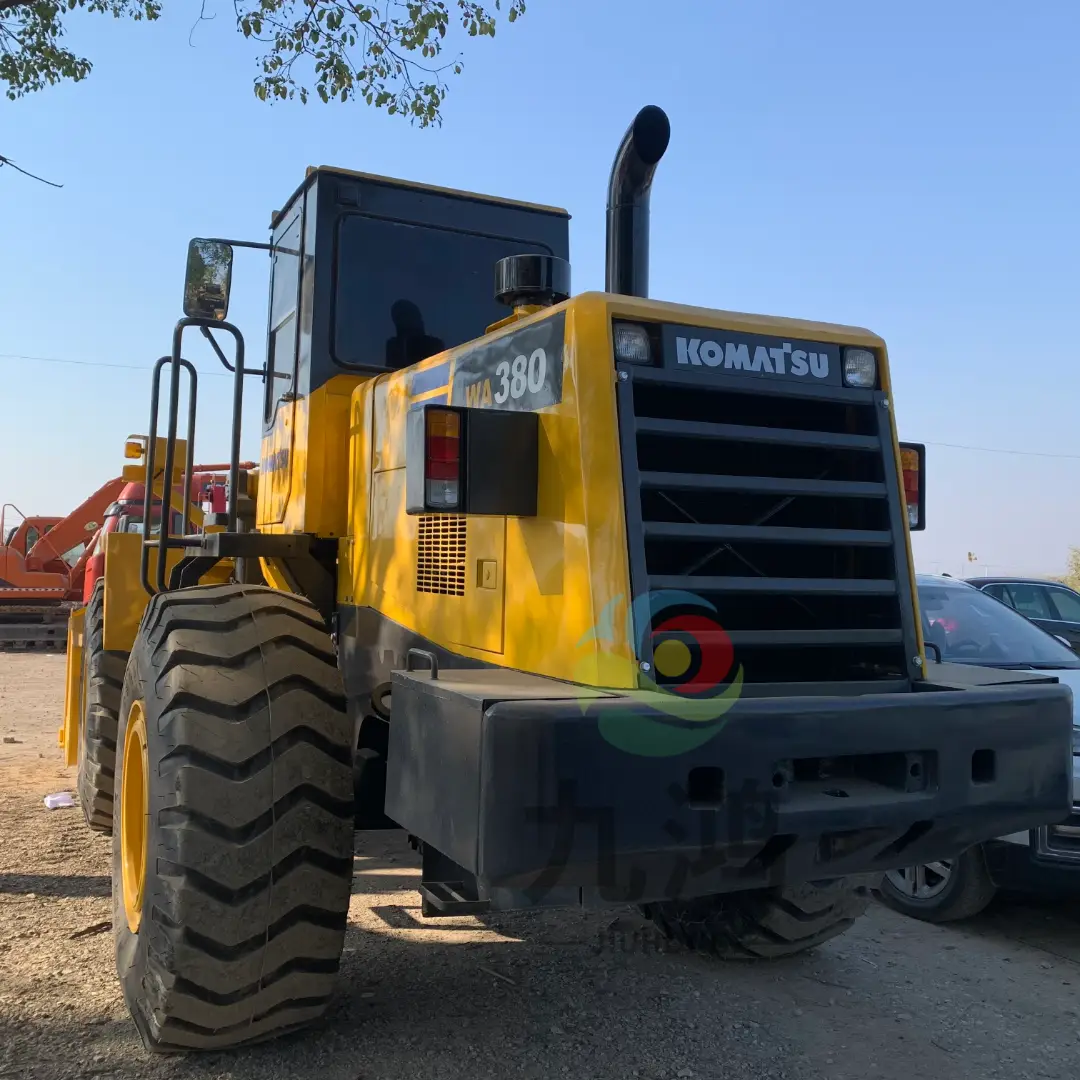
602	600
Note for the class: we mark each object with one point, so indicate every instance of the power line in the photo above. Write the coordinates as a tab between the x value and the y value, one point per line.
136	367
92	363
999	450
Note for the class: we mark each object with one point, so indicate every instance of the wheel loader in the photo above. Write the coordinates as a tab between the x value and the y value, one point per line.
602	600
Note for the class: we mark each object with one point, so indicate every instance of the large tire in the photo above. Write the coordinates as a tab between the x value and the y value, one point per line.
103	683
764	924
965	892
237	935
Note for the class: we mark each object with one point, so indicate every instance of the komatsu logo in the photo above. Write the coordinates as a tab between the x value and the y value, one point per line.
779	360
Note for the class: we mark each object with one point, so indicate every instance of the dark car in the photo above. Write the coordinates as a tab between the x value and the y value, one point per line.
1054	607
967	626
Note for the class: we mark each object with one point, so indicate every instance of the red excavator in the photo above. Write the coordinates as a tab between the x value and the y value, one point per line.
42	566
49	565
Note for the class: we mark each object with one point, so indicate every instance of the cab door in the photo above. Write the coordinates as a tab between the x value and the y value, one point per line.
279	427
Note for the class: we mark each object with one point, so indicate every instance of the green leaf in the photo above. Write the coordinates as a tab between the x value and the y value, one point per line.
338	49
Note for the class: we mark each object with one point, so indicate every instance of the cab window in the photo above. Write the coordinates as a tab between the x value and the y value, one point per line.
284	292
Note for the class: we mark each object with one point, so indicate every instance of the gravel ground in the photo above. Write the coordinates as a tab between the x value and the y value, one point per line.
523	995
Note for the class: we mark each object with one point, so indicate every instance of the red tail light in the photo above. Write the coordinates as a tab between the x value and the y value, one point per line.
442	458
481	462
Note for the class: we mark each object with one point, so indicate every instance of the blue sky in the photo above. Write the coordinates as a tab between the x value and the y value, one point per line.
912	168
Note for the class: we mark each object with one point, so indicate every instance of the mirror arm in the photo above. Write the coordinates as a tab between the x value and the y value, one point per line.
205	330
251	244
239	243
216	347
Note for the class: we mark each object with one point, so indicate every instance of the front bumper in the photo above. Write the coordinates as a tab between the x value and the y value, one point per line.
517	780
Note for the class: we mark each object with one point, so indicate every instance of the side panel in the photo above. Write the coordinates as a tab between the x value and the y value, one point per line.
446	556
276	467
125	597
305	462
538	606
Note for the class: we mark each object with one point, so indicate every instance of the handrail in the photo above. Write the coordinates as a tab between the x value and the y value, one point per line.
175	362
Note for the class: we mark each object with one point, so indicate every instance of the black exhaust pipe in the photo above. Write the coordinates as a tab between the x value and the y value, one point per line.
643	145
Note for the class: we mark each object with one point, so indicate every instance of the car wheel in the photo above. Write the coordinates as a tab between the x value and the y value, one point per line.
942	891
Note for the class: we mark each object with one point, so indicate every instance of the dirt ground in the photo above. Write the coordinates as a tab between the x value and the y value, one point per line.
531	996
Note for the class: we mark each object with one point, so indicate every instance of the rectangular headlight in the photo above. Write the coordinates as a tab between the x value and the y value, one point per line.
860	368
632	343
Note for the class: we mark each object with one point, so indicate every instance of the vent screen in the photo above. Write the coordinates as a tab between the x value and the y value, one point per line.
440	554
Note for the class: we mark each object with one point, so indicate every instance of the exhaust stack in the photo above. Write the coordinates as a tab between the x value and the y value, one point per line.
642	147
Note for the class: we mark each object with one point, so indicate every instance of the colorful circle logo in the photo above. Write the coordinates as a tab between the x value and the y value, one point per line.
686	690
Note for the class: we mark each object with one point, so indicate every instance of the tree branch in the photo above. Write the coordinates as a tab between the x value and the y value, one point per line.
7	161
203	17
388	53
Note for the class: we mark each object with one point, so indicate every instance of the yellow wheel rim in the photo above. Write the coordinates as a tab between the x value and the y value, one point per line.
134	815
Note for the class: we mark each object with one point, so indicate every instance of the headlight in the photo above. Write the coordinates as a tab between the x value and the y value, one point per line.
860	368
632	344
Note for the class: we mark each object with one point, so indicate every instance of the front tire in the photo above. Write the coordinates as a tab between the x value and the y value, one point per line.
103	682
763	924
230	900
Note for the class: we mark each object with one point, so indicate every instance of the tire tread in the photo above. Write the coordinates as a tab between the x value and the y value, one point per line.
103	680
764	924
253	845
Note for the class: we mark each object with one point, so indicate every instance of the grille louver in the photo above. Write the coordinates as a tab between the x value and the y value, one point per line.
440	554
772	502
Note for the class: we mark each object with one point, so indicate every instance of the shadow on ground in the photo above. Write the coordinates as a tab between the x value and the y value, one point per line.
1049	925
75	885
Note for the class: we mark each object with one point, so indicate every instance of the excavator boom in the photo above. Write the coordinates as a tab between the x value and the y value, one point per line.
79	527
42	567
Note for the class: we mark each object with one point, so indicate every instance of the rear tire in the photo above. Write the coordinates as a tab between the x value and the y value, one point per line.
240	920
103	682
764	924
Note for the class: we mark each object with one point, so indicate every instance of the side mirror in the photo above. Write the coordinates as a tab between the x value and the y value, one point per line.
208	280
913	463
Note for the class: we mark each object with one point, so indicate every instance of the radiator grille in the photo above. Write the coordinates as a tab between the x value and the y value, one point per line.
440	554
777	504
